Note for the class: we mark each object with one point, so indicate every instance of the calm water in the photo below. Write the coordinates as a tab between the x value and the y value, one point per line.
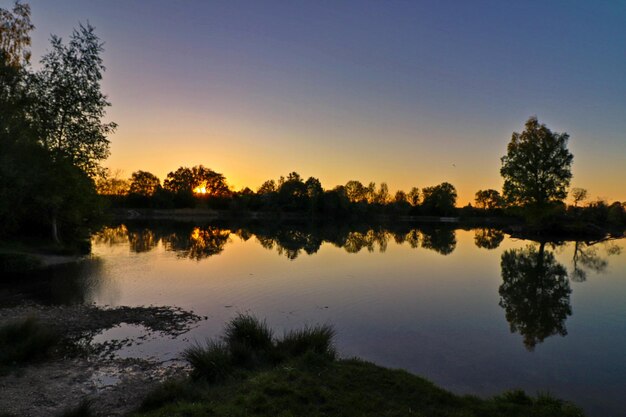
472	310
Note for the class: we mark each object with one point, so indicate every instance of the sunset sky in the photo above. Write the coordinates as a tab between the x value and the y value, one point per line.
412	93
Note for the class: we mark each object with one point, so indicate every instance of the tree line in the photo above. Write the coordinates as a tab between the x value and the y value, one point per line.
202	187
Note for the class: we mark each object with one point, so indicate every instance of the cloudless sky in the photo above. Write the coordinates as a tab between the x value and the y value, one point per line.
412	93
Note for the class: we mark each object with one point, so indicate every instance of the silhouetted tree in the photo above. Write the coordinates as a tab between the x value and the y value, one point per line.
413	197
15	28
213	184
267	187
70	105
51	134
534	293
400	197
112	184
488	199
537	166
382	196
355	191
181	181
440	199
293	193
144	183
578	195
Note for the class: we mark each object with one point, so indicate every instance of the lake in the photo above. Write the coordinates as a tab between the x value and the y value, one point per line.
475	311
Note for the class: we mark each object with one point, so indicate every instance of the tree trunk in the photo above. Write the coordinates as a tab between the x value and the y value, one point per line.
55	231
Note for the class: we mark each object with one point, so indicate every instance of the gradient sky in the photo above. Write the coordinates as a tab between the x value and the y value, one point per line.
412	93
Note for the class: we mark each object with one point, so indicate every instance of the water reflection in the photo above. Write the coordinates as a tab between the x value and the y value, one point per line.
488	238
587	258
535	293
199	242
78	283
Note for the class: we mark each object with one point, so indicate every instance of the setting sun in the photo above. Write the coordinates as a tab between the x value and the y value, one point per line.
200	189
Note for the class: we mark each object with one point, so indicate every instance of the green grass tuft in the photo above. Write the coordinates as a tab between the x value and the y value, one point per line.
211	362
317	339
249	331
26	341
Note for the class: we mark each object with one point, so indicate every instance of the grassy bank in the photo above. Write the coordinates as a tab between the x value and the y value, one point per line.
251	373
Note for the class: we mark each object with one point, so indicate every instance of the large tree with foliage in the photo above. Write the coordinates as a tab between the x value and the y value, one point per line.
440	199
537	166
71	105
51	134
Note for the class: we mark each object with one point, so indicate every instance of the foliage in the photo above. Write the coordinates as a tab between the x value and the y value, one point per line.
578	195
112	184
488	199
51	134
414	196
70	106
440	199
537	166
185	180
144	183
15	27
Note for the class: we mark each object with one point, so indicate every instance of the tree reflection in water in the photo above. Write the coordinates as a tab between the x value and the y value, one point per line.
195	242
198	244
587	258
487	238
441	240
534	293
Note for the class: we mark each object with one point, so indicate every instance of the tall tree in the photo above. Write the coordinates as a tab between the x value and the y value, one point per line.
71	105
537	166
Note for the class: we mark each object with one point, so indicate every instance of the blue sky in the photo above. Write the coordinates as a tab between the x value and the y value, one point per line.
408	92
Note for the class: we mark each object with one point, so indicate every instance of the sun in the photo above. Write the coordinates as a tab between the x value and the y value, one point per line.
200	189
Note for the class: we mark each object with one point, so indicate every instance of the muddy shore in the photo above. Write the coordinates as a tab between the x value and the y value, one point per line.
82	369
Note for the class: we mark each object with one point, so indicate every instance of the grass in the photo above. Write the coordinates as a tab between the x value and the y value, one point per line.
26	341
349	388
302	377
317	339
249	344
212	361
